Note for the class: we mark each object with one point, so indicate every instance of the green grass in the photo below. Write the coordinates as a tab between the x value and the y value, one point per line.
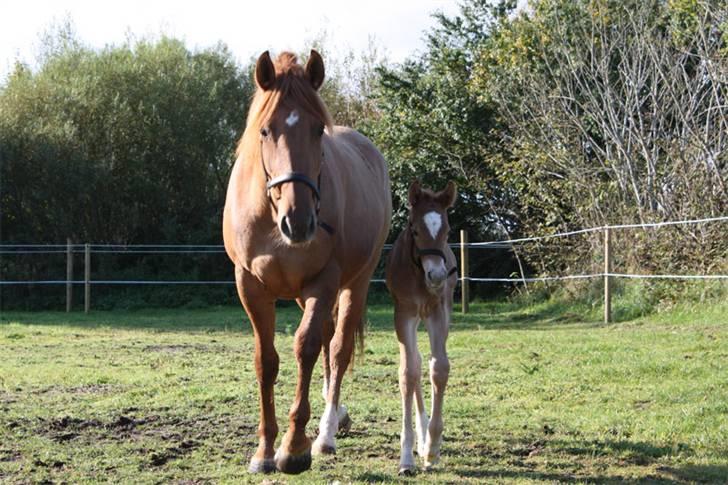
537	393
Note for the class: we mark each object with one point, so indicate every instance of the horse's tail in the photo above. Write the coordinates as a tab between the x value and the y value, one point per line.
358	341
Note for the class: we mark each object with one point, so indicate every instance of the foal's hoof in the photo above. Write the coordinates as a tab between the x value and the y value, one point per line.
293	464
406	471
320	448
266	465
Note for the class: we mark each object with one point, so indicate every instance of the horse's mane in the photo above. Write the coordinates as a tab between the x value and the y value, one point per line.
290	87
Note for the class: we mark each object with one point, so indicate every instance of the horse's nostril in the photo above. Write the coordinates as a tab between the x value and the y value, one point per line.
285	227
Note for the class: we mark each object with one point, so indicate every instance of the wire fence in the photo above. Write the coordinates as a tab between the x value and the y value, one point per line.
17	249
464	246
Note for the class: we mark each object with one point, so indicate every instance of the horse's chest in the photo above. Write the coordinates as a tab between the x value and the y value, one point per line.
284	271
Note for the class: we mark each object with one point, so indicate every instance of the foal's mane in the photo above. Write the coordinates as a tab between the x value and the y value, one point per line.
290	87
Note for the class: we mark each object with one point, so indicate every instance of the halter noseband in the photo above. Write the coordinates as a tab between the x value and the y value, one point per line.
296	177
417	260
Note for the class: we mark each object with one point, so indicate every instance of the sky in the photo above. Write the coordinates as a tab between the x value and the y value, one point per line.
247	27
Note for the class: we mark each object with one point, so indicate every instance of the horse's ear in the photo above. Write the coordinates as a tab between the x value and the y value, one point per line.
315	70
265	73
446	197
415	190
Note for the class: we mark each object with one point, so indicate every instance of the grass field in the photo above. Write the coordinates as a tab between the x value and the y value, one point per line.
536	394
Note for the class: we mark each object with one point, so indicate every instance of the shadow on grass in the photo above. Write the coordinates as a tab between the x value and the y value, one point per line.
497	476
698	473
582	454
483	316
499	316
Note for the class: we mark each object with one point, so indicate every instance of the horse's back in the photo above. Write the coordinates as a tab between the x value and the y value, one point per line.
365	190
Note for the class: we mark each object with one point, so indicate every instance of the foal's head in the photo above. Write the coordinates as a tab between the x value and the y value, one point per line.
429	227
286	125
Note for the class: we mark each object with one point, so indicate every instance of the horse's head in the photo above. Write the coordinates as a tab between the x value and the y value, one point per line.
290	119
429	228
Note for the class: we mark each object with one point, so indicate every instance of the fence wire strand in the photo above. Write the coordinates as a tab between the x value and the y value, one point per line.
218	249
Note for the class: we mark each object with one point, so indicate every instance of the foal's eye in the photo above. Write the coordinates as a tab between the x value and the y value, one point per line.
264	132
320	130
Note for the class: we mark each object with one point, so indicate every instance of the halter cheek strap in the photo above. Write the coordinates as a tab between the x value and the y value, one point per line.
427	252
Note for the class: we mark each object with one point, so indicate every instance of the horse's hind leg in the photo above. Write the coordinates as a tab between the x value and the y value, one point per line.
328	334
260	308
352	303
437	328
410	373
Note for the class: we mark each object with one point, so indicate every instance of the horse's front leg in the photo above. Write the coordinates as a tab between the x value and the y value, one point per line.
260	307
437	327
294	453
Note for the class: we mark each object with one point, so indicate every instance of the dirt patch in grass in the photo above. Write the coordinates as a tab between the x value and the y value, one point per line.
182	432
181	348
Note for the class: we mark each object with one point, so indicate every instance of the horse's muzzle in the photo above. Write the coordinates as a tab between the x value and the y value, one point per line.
297	230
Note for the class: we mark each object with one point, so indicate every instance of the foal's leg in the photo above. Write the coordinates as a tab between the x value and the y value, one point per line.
352	302
437	327
294	453
422	421
260	308
410	373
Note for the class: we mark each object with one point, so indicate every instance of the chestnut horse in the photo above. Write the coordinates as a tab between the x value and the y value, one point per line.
421	276
307	211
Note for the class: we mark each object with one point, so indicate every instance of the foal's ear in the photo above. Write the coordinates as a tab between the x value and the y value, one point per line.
415	191
265	73
446	197
315	70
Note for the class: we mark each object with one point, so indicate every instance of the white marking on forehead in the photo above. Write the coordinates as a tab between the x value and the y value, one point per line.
433	221
292	118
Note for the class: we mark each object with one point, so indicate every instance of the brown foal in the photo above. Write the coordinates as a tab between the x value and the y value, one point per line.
307	211
421	276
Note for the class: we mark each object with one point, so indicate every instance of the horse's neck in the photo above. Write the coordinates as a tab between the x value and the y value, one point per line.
252	184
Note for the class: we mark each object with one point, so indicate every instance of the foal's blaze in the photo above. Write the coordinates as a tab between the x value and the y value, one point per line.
421	277
300	191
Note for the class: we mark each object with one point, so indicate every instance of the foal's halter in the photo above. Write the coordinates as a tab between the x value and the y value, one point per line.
417	254
296	177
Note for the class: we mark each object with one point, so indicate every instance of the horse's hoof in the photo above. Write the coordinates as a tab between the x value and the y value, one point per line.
431	461
406	471
293	464
320	448
266	465
344	423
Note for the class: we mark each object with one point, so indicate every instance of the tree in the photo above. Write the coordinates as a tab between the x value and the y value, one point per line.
613	112
130	144
431	126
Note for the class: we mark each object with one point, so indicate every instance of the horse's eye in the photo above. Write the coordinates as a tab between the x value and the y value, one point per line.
264	132
320	130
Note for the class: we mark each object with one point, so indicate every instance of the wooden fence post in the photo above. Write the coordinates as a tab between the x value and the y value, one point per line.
607	278
69	275
464	272
87	279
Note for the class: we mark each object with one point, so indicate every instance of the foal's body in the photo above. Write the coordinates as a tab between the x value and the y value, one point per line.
307	212
421	279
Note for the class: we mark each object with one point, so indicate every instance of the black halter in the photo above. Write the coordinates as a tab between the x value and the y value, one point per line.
417	254
296	177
